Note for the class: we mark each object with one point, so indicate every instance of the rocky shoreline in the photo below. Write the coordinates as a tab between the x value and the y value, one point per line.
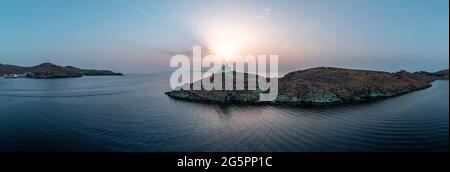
321	86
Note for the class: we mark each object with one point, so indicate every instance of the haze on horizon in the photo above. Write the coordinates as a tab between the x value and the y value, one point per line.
134	36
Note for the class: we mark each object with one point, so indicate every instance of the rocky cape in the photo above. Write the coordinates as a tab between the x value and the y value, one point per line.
319	86
49	70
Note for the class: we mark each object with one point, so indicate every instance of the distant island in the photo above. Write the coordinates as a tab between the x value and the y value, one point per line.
321	86
49	70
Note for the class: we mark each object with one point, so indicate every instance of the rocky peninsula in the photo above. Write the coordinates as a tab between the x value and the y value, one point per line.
49	70
321	86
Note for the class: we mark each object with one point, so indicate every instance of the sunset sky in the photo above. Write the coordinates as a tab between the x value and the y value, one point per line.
141	36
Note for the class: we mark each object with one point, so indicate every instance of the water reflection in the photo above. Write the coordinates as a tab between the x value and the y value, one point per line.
132	113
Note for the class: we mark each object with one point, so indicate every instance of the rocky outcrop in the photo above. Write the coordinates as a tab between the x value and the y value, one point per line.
439	75
91	72
319	86
335	85
222	96
6	69
443	74
48	70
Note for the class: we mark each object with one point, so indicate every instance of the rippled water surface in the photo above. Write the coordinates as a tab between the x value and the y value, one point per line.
131	113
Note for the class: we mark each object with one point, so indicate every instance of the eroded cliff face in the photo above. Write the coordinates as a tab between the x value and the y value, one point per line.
318	86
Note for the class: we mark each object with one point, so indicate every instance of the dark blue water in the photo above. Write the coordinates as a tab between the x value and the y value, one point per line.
131	113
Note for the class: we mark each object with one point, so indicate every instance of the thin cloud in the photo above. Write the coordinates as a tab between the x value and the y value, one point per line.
141	11
266	13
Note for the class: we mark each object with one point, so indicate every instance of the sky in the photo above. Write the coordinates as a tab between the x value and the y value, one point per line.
134	36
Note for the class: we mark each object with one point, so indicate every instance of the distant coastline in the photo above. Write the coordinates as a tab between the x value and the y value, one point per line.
50	71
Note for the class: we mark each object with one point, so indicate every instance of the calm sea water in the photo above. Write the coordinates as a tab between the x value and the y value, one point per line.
131	113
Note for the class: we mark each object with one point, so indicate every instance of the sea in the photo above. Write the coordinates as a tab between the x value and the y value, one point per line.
131	113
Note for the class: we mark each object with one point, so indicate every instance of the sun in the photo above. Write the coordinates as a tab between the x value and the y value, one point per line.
229	38
225	39
226	49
